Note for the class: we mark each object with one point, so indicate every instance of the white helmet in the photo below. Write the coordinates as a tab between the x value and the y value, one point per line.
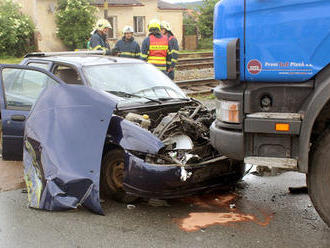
128	29
166	25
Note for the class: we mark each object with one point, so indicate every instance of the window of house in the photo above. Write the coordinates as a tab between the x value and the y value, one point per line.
139	24
112	32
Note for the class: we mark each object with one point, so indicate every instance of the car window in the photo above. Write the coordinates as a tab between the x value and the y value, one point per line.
142	79
39	65
22	87
67	74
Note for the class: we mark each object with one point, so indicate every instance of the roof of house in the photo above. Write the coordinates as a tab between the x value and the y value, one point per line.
122	3
118	2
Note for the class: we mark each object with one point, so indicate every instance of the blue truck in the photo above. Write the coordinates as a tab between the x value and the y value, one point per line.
273	100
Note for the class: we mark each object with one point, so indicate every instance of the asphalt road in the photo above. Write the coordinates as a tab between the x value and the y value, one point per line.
264	214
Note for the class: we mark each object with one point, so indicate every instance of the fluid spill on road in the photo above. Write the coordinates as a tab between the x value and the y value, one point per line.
217	211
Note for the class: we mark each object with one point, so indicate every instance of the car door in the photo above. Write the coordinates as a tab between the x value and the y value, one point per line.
20	88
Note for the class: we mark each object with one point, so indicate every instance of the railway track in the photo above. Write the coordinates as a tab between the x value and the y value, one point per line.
197	86
196	55
194	63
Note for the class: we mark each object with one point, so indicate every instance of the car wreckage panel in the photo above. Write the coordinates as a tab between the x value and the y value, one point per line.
63	145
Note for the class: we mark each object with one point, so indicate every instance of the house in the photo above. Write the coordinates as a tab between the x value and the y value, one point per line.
136	13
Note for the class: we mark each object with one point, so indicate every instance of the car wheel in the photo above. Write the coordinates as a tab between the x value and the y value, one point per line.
238	169
318	177
112	176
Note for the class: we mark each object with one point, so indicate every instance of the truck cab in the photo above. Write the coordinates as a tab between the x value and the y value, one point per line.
273	99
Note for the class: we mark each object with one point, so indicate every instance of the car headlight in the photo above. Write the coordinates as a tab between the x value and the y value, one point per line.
228	111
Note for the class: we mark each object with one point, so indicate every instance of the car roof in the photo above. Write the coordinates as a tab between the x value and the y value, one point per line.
86	60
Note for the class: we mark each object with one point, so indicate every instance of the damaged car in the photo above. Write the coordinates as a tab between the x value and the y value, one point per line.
90	125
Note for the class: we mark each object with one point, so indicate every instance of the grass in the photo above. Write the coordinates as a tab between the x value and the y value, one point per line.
10	60
206	43
204	97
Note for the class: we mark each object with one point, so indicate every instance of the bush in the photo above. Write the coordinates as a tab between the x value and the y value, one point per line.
16	30
206	43
75	21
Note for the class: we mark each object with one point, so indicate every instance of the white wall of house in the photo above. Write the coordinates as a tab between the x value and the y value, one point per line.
43	16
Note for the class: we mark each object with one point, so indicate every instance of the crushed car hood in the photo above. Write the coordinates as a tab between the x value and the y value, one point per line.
63	146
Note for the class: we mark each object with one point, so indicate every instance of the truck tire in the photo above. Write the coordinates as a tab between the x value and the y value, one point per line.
112	175
318	177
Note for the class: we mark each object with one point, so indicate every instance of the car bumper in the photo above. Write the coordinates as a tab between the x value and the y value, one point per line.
165	181
228	142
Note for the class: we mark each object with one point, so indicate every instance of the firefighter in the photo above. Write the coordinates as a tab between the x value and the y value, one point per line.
155	46
173	47
127	46
99	37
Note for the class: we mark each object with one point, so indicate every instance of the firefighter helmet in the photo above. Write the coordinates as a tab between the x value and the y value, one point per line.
102	24
154	24
128	29
166	25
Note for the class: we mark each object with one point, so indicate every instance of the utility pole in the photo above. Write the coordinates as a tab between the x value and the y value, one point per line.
106	7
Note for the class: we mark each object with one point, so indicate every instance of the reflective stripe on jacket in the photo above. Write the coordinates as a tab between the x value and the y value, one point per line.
158	50
173	53
98	42
128	48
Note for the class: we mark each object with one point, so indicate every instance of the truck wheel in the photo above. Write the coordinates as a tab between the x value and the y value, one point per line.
318	177
112	176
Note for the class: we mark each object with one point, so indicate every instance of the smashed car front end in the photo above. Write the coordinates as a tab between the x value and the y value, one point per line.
166	147
150	180
184	163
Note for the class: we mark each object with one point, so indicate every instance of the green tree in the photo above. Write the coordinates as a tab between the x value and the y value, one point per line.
16	30
75	21
189	25
205	20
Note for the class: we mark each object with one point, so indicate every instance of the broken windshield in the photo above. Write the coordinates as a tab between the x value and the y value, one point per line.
138	79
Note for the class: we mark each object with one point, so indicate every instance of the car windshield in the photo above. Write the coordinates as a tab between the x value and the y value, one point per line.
139	81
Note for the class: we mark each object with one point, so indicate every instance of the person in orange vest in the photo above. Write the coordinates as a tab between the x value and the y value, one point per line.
154	48
173	47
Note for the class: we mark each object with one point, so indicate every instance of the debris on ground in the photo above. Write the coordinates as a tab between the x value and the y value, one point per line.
130	206
158	203
273	198
232	206
264	171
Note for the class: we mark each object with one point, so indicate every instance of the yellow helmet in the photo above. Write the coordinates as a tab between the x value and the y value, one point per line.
166	25
154	24
102	24
128	29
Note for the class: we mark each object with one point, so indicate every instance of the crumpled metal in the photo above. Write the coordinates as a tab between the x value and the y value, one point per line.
63	145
